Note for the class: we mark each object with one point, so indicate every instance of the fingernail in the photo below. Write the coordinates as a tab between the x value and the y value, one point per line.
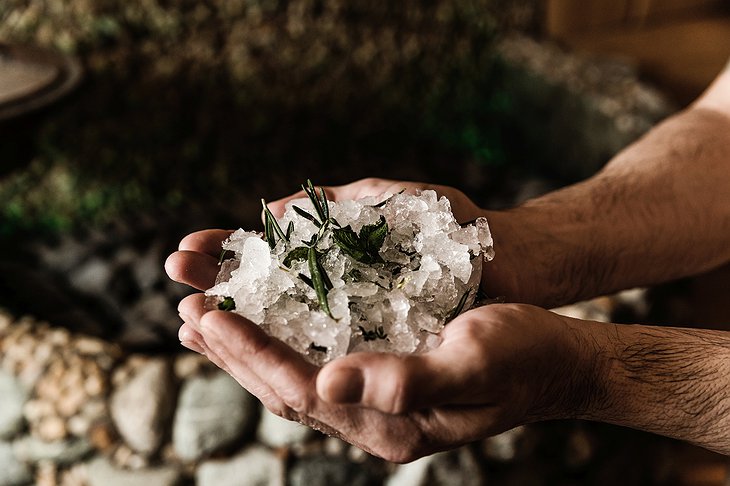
185	334
193	346
345	386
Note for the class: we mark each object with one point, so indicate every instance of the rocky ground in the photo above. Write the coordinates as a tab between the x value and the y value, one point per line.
77	410
93	389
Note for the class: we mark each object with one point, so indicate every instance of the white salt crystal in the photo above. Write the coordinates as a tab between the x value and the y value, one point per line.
429	264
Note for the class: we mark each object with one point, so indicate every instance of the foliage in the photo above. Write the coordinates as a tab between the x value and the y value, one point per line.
186	99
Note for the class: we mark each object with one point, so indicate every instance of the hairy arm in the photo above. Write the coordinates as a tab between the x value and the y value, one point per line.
673	382
659	210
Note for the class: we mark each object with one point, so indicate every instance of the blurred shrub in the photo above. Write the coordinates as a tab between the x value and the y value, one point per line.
189	98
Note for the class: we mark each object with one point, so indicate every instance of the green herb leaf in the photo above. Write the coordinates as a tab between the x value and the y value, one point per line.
315	270
374	235
312	241
306	215
306	280
299	253
228	304
349	243
325	206
320	349
311	192
271	227
365	247
289	230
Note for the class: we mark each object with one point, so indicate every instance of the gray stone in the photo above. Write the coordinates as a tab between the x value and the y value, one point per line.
275	431
92	276
141	408
411	474
101	472
12	471
507	446
332	471
147	268
255	466
33	449
212	412
12	398
457	467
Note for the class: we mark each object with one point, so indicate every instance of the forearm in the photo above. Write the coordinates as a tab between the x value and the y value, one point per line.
673	382
659	210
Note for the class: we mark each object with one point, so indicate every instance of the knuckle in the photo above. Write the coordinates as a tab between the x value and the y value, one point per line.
472	328
402	389
299	403
281	410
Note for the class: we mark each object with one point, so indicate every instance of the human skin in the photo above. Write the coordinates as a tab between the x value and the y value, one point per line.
659	210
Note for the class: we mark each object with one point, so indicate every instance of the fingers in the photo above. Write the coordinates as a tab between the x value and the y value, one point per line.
191	310
398	384
192	268
207	241
191	339
254	356
277	207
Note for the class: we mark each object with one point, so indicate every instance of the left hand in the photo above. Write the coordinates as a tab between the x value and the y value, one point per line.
497	367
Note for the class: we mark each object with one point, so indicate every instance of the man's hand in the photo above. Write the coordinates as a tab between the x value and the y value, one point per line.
497	367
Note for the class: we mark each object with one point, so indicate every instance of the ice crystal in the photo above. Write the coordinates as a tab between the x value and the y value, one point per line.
356	275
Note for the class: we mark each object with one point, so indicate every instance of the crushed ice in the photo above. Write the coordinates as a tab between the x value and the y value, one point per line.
430	270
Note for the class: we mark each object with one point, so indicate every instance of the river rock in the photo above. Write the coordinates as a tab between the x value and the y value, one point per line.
12	471
101	472
12	398
31	449
411	474
459	466
212	412
255	466
141	407
332	471
275	431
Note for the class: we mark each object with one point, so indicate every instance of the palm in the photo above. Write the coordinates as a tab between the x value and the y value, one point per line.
409	406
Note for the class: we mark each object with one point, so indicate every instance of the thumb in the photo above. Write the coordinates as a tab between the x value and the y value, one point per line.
397	384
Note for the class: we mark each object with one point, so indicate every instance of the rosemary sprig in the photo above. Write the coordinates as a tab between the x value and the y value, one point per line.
272	228
306	215
319	280
319	201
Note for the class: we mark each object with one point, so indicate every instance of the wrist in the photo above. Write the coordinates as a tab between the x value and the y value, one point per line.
520	270
576	384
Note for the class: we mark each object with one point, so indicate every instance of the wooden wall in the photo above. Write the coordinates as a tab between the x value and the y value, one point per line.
680	45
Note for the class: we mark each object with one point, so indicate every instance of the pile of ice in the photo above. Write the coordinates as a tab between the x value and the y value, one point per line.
423	270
